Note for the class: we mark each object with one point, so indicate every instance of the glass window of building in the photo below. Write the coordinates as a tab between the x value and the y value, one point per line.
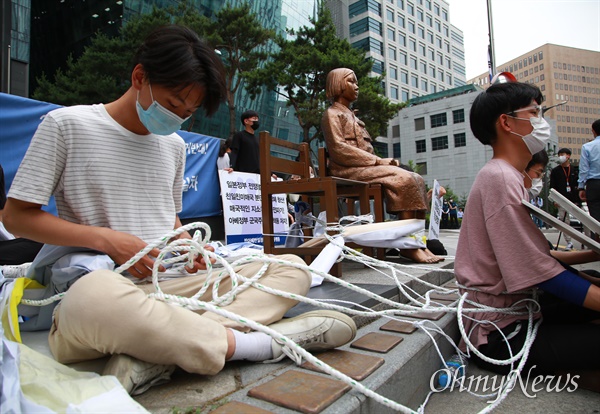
419	124
439	143
381	149
460	140
402	58
396	131
414	81
404	77
404	95
428	4
412	45
401	4
421	32
413	62
391	34
362	6
365	25
446	31
429	20
449	79
424	85
420	15
396	149
401	21
430	37
422	49
445	15
392	53
438	120
422	167
431	54
438	26
410	9
440	58
433	88
423	67
411	26
377	66
389	14
441	75
436	9
421	146
401	39
459	116
432	71
394	92
438	42
393	72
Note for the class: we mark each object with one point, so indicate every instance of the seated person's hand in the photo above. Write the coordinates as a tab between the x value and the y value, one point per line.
123	246
442	192
199	263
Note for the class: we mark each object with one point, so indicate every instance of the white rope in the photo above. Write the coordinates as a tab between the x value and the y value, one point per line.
187	250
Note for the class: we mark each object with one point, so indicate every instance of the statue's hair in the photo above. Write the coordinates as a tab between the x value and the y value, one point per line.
334	85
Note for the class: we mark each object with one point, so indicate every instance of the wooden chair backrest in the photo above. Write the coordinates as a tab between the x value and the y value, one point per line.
273	160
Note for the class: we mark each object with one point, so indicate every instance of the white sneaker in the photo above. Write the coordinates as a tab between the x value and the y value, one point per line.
137	376
569	247
15	271
314	331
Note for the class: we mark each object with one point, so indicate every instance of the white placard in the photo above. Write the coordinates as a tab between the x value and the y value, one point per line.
436	212
242	211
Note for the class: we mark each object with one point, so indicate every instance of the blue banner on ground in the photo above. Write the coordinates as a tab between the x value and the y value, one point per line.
20	117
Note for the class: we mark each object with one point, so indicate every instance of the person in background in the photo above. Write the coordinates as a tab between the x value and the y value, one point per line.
223	161
445	215
563	178
453	213
589	173
533	181
245	154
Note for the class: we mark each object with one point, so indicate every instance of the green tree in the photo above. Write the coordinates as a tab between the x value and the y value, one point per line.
238	35
102	73
297	73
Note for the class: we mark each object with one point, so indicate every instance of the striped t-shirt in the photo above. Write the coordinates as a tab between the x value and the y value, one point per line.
103	175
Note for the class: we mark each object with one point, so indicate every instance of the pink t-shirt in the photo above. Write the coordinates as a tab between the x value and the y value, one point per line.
499	249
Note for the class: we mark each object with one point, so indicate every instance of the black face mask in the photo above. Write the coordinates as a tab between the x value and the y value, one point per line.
255	125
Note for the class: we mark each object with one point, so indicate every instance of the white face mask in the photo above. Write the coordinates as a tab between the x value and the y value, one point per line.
536	140
562	159
536	187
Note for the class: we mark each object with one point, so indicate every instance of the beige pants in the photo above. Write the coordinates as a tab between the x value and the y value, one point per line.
105	313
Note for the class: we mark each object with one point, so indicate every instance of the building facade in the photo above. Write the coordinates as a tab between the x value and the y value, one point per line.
564	74
411	41
434	133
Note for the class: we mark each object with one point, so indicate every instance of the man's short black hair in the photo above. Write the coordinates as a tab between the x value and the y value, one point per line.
498	99
538	158
175	57
248	114
596	127
564	151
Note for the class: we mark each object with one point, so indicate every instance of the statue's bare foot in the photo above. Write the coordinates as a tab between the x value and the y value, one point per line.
430	253
419	256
